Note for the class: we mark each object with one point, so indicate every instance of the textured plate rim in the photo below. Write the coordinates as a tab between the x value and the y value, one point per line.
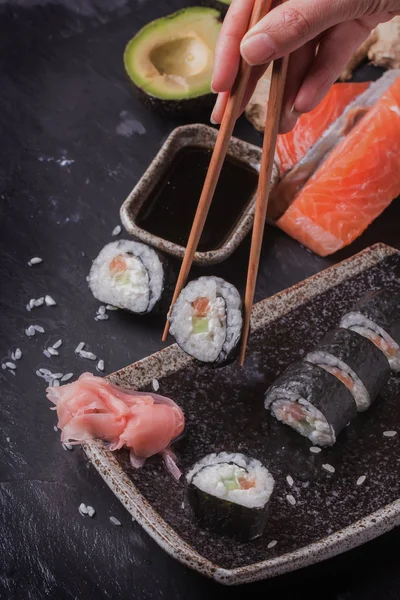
268	310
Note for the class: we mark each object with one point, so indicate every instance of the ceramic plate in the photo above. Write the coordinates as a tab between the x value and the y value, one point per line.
224	411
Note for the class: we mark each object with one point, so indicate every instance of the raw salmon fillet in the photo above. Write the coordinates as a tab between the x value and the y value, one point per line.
292	146
353	185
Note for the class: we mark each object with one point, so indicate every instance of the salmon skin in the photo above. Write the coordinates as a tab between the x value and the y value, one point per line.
350	175
292	146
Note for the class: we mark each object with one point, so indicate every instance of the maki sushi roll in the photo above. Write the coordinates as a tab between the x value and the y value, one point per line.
311	401
206	320
355	361
229	494
129	275
376	316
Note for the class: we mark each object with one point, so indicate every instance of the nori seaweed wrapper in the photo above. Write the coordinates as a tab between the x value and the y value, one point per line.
225	517
361	355
321	389
383	308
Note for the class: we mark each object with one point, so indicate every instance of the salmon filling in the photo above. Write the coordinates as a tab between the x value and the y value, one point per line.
347	376
304	418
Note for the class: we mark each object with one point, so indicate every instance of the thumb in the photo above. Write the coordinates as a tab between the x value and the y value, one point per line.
295	22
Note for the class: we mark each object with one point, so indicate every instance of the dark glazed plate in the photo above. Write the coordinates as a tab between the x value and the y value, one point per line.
224	411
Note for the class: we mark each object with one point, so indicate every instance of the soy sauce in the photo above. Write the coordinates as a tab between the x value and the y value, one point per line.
169	212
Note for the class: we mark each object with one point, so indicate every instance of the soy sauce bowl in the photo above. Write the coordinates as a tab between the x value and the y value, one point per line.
160	209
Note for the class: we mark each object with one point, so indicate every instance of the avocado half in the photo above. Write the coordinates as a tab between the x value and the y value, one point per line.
170	60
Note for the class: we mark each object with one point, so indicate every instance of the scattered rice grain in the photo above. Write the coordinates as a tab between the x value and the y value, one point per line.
361	479
100	365
46	353
315	449
79	347
291	499
328	468
83	509
67	376
110	307
56	383
49	300
156	385
45	371
35	261
101	310
11	365
39	302
101	317
57	344
290	481
38	328
389	433
90	511
3	366
55	427
11	371
88	355
30	331
17	354
57	375
53	351
115	521
32	303
117	230
272	544
8	439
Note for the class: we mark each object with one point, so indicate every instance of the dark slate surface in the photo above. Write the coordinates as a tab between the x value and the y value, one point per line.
64	98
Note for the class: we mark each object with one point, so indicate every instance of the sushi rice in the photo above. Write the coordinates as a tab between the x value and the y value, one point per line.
128	275
206	319
302	416
233	477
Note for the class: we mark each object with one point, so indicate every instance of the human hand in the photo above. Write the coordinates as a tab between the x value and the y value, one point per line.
320	36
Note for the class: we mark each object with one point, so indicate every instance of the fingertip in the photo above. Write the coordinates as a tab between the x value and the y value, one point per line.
288	122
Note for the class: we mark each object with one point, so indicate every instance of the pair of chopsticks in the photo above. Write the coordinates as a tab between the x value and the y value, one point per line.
261	7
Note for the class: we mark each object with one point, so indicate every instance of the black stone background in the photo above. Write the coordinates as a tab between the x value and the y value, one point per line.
63	94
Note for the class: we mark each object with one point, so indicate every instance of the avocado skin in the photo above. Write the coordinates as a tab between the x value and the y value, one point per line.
200	106
218	4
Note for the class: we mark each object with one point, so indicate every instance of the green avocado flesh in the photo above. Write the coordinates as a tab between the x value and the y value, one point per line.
231	484
199	325
172	58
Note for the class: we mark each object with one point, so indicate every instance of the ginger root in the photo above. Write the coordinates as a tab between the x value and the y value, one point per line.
256	110
382	48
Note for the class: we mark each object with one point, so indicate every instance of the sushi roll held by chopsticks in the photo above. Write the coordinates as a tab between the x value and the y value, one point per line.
206	320
229	494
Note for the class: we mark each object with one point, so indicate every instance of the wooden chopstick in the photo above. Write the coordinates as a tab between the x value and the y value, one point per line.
261	7
278	80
